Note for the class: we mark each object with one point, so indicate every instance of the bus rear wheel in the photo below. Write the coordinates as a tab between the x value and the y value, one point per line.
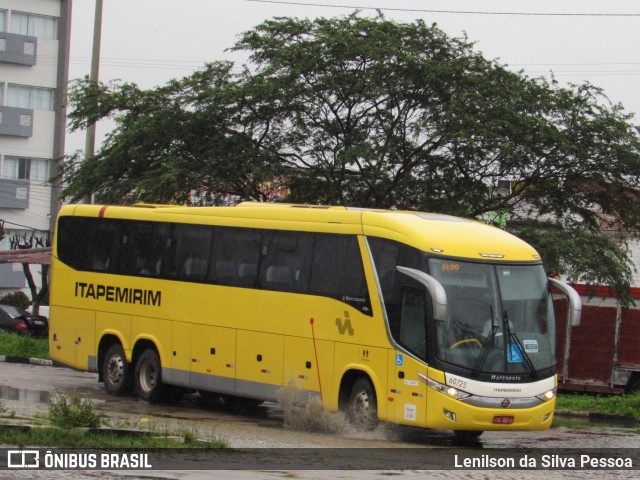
116	371
148	376
362	409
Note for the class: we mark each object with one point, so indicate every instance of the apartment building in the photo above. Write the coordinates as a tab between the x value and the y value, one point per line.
34	60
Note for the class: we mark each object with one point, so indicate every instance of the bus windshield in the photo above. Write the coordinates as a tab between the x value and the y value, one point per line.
500	317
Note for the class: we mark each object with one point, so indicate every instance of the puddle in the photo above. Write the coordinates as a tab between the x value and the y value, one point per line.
24	395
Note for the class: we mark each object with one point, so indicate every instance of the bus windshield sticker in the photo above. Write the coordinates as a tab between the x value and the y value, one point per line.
514	354
530	346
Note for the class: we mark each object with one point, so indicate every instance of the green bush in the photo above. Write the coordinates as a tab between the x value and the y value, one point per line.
72	411
18	345
16	299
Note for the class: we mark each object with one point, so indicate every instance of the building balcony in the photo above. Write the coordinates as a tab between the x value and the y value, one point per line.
19	49
16	122
14	193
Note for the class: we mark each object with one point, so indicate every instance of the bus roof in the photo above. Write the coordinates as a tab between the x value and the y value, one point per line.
434	233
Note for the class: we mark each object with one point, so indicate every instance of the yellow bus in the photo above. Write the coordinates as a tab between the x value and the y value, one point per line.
406	317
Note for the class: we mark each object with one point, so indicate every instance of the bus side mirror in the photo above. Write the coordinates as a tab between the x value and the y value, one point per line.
435	289
575	303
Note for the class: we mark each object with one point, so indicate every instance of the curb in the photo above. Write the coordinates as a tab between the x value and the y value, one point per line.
25	360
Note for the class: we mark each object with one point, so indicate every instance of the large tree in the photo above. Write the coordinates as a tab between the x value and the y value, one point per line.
375	113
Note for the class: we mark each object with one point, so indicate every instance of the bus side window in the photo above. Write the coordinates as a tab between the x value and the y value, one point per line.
73	238
413	321
104	245
235	256
144	242
337	270
387	255
285	264
192	252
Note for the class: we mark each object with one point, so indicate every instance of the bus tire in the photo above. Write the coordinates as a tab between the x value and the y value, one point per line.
116	371
362	409
148	376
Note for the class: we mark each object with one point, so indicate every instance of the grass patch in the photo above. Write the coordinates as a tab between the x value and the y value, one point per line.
12	344
623	405
72	411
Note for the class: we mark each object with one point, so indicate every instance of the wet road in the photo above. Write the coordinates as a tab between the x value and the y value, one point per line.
25	390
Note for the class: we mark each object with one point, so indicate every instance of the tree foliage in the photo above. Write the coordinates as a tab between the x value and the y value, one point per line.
375	113
168	141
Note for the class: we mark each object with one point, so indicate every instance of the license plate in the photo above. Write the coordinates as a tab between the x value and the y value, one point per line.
38	322
503	419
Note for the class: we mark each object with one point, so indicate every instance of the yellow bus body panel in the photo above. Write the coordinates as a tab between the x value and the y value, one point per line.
469	417
72	341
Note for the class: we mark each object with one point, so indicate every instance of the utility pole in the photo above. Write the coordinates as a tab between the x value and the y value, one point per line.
89	148
60	125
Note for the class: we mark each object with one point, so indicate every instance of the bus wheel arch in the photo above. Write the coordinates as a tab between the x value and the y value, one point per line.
114	369
358	400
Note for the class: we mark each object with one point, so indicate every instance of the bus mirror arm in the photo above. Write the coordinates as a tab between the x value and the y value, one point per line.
435	289
575	303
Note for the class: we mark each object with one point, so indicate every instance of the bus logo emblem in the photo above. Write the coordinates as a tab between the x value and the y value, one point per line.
506	403
344	326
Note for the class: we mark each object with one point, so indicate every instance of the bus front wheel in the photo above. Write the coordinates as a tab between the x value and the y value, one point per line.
362	410
149	376
116	371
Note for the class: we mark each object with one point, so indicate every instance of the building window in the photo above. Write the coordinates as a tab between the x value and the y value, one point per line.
3	44
34	25
3	19
30	97
25	168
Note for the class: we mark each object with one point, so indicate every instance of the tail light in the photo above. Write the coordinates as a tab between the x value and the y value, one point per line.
21	326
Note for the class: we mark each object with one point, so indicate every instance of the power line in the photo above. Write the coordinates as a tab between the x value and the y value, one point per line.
19	225
456	12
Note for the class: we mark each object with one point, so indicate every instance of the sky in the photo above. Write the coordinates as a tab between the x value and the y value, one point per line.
149	42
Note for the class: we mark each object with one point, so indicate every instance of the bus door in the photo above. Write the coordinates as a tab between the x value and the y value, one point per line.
407	393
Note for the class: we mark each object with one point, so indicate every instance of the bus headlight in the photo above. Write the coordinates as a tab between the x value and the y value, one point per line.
447	390
548	395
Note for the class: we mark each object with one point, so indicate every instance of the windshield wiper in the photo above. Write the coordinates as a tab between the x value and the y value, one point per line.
488	344
513	337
